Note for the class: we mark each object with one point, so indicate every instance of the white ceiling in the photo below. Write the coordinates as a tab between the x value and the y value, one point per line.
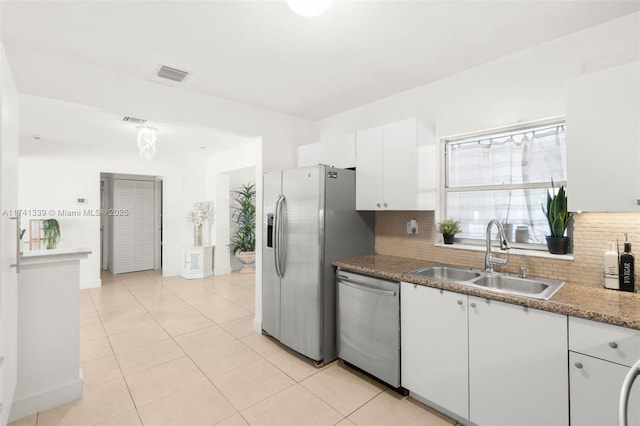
260	53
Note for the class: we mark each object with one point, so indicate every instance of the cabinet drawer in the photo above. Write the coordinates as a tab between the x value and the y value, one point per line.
605	341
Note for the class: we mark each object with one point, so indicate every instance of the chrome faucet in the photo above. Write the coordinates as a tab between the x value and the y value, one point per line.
490	261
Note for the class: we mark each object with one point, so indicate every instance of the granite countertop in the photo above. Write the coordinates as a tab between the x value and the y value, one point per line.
599	304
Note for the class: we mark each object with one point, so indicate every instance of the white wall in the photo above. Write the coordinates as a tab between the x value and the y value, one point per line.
220	169
53	177
526	86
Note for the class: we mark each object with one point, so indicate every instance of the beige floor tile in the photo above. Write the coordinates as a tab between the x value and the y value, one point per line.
210	302
127	419
99	403
127	322
174	310
293	365
148	356
89	318
252	383
293	406
116	312
176	326
346	422
86	302
92	332
240	328
93	349
223	315
158	382
343	388
391	408
264	345
201	404
236	420
224	358
25	421
203	340
185	289
100	370
130	340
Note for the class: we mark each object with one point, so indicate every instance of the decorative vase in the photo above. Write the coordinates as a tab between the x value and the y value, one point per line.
558	245
448	238
197	235
248	258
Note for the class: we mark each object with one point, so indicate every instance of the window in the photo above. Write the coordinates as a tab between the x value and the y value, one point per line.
505	176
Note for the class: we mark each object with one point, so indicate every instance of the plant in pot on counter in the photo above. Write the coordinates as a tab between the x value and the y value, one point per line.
51	230
449	228
558	217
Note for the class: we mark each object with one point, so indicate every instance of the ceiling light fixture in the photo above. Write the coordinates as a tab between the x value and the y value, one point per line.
147	141
309	8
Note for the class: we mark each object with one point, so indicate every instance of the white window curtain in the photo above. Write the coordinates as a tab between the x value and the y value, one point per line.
505	177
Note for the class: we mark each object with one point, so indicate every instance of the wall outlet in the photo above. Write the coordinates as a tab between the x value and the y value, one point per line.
412	227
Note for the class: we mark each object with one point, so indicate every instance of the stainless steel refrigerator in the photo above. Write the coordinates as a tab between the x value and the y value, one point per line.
310	221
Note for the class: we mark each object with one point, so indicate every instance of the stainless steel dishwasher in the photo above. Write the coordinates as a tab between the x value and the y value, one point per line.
369	325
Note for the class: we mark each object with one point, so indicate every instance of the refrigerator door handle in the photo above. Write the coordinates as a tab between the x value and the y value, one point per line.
18	241
276	242
282	232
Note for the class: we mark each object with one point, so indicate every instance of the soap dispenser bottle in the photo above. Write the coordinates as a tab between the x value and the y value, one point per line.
611	264
627	277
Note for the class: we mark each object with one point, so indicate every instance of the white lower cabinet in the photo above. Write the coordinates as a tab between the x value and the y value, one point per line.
434	346
489	362
517	365
599	358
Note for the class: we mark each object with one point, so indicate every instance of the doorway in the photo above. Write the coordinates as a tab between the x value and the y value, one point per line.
130	222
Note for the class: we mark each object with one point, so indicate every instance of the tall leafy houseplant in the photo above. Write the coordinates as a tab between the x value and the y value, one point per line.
558	216
51	229
243	239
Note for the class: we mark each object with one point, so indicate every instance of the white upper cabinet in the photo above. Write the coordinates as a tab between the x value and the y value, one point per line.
603	140
388	160
337	151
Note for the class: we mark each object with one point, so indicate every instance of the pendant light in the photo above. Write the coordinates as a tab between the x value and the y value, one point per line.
147	141
309	8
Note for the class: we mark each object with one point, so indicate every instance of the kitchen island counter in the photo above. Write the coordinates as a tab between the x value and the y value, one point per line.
599	304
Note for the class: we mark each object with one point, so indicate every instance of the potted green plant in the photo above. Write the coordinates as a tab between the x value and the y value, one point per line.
558	217
448	228
51	229
243	240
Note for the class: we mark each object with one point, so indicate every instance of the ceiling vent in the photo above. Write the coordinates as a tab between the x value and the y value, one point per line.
172	73
134	120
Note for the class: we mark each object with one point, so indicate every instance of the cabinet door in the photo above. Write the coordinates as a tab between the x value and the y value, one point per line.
400	163
434	346
517	365
595	389
369	169
603	130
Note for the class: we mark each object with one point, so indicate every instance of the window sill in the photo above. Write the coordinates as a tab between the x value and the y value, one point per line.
513	251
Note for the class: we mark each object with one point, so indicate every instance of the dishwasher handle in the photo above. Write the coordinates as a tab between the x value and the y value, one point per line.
357	286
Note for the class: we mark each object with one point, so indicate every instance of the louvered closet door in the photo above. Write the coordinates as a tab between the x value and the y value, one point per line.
133	242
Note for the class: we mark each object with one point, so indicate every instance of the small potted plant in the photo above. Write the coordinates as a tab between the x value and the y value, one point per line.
449	228
558	217
51	229
243	239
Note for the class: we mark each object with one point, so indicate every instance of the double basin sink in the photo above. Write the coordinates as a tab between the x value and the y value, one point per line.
536	288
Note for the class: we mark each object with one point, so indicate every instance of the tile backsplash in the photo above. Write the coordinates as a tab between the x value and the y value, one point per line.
591	232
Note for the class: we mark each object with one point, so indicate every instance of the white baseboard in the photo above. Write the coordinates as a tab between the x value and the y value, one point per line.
171	272
91	284
257	325
45	399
